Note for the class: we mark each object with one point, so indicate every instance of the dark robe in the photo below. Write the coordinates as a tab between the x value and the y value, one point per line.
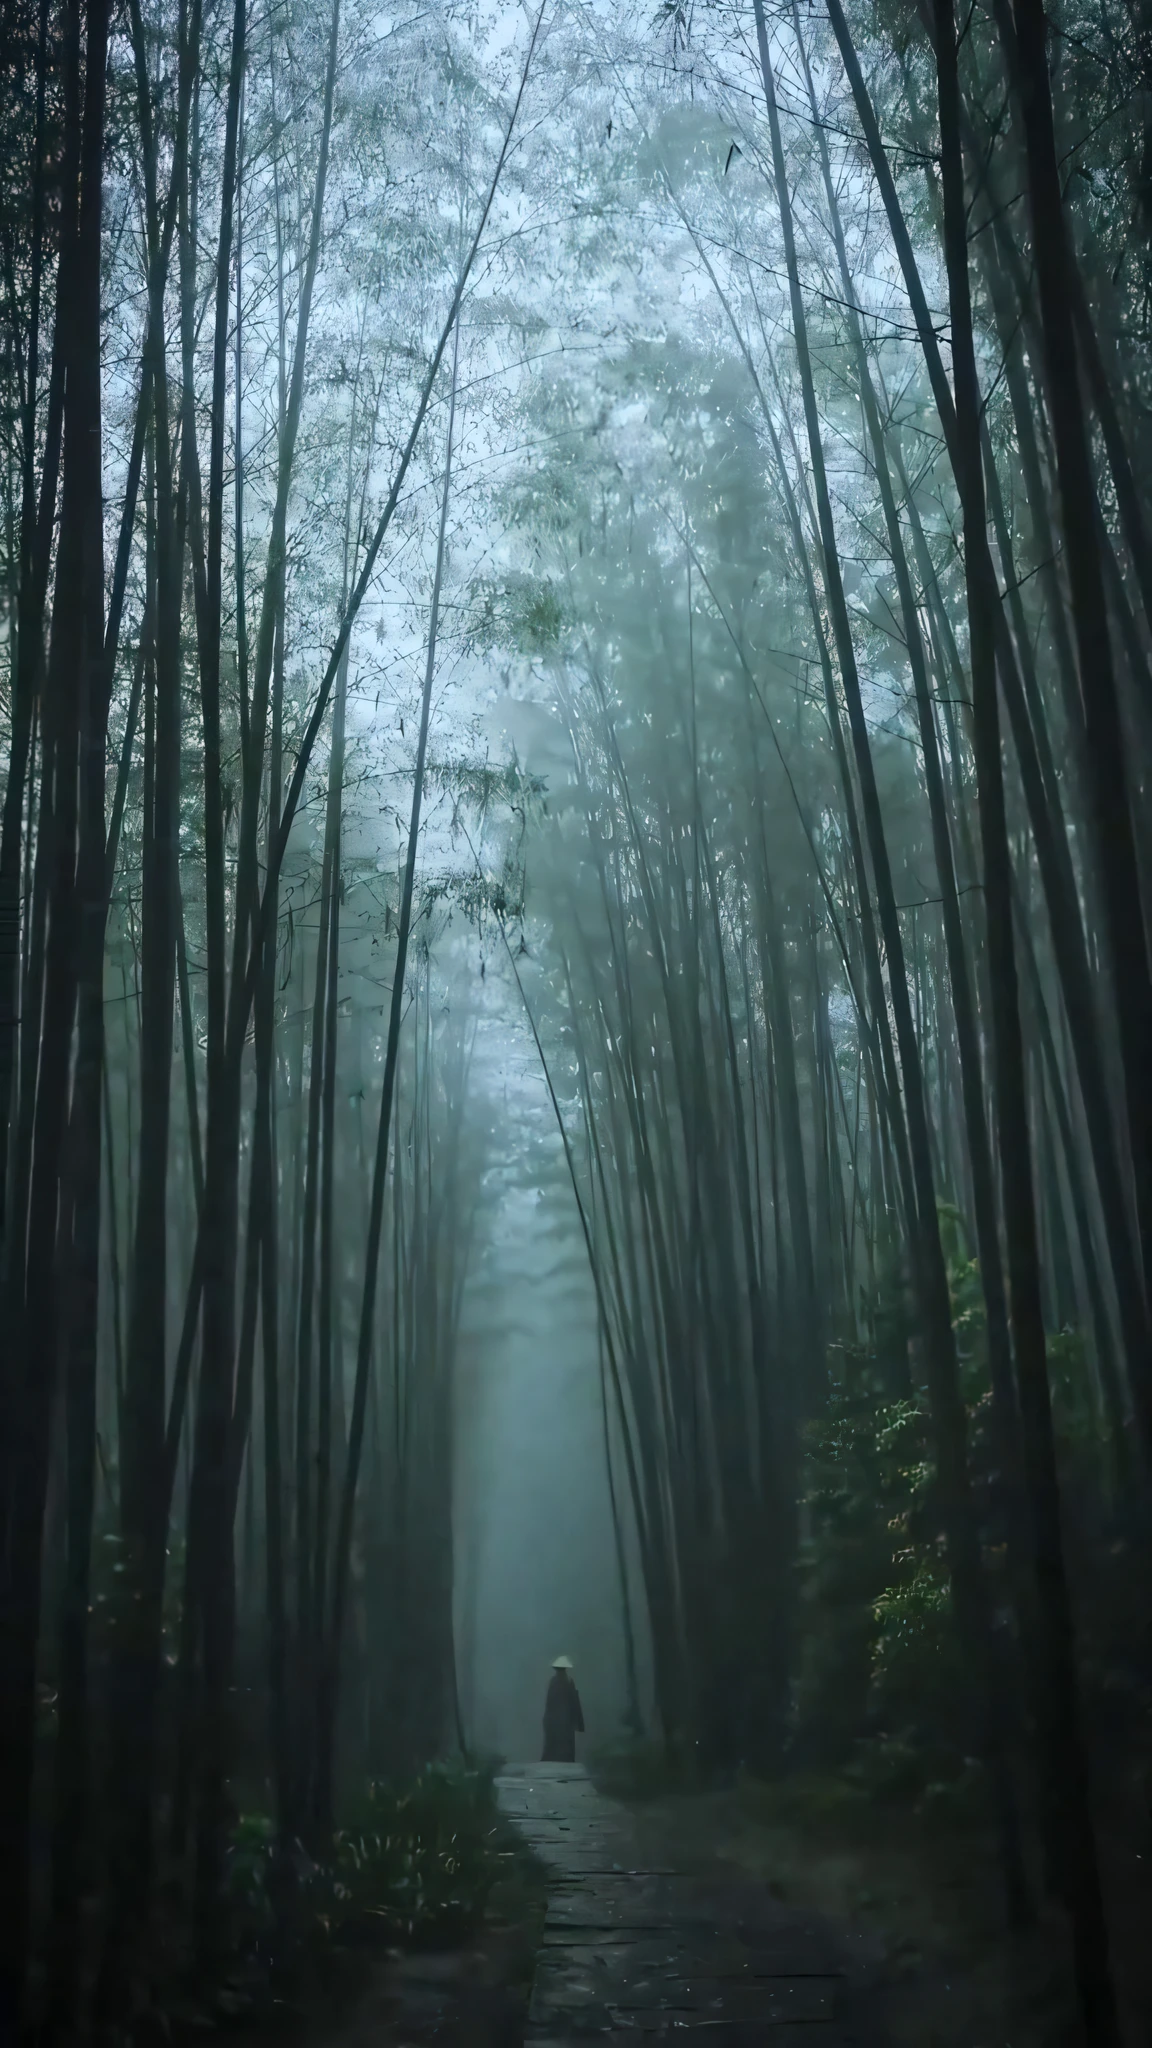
563	1720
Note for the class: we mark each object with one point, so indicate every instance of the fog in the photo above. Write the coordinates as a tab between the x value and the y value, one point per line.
536	1560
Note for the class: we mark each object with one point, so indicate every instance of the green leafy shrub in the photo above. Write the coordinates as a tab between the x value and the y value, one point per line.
414	1869
249	1885
915	1658
881	1690
867	1476
421	1863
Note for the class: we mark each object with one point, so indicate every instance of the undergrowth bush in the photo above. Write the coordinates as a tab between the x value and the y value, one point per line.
415	1867
881	1693
881	1690
419	1864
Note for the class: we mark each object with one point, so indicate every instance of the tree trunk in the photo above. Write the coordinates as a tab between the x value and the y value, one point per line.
73	691
969	1586
1056	1690
1103	727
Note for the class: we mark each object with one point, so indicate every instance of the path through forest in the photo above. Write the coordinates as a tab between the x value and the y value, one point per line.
635	1946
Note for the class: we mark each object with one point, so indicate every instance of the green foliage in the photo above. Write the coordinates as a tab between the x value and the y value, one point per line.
881	1688
499	894
486	786
1076	1413
420	1863
415	1868
521	612
249	1887
916	1671
867	1480
881	1691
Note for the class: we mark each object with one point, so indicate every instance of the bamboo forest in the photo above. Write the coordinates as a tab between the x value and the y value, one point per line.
576	1023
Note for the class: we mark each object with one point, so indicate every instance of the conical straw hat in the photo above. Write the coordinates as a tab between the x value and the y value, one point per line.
561	1663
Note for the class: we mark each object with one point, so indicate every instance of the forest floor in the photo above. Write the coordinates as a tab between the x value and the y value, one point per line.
607	1931
767	1914
924	1902
472	1995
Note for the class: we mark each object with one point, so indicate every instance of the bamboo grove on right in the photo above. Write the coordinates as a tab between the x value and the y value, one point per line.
983	459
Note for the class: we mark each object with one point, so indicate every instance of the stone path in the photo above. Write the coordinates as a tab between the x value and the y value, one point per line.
634	1949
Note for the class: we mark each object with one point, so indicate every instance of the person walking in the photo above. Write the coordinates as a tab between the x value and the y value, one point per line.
563	1717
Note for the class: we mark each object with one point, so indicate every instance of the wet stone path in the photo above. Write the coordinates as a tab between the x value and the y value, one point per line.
636	1951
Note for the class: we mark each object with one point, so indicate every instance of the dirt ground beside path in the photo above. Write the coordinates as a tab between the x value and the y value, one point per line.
922	1906
472	1996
